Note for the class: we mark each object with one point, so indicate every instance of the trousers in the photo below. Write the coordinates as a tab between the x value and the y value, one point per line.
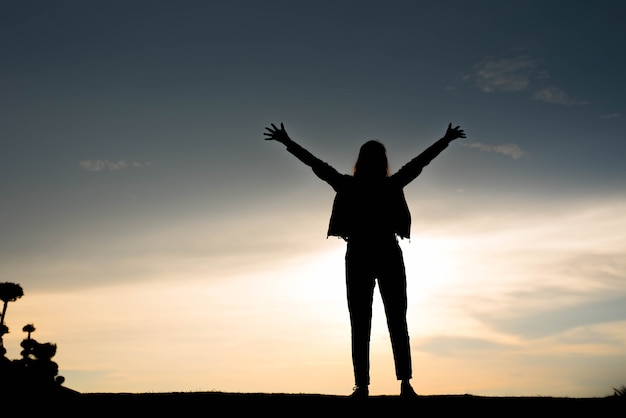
368	262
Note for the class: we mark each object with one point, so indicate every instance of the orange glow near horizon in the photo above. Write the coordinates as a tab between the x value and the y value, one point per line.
286	329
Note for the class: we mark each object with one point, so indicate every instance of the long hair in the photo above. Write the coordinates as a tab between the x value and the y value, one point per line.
372	161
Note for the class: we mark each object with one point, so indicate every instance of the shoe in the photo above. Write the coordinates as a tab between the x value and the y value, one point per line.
360	392
407	392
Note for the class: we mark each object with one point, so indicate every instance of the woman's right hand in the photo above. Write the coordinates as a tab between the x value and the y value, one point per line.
276	134
454	133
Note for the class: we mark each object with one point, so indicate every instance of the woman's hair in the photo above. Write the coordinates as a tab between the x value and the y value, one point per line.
372	161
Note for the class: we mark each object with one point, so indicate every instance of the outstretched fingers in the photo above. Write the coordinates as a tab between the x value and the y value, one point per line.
275	133
270	133
454	133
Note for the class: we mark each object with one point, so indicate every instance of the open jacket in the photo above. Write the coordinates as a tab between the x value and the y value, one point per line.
365	208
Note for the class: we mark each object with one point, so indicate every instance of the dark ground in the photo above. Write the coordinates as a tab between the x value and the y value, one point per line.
69	403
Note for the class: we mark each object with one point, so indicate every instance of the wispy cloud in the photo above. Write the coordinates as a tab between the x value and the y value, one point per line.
512	150
557	317
556	96
516	74
107	165
612	116
505	74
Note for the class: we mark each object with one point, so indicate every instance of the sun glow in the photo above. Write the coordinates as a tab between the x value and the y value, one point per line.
478	294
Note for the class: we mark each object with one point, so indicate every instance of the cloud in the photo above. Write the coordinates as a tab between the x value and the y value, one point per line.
555	320
511	150
556	96
106	165
505	74
102	165
612	116
518	74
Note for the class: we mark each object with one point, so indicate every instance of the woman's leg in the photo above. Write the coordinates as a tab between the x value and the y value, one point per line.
360	291
392	285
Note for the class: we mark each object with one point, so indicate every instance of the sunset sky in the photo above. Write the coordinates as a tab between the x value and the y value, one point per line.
164	245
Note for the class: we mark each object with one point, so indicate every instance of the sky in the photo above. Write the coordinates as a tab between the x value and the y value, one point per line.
164	245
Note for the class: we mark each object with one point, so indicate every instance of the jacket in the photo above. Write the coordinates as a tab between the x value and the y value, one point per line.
369	208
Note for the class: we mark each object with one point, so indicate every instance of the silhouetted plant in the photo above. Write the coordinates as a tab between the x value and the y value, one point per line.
3	330
36	369
29	328
35	372
9	292
620	392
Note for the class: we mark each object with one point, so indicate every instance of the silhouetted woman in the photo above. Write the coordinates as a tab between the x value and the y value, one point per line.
370	213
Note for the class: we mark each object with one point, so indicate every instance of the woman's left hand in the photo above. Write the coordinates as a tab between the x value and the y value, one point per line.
454	133
276	134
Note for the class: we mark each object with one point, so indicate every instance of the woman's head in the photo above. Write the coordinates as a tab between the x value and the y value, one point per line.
372	161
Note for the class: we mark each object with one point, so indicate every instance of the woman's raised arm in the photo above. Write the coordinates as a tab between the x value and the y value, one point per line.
323	170
413	168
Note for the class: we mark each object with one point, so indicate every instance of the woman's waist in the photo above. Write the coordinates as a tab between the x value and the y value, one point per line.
372	239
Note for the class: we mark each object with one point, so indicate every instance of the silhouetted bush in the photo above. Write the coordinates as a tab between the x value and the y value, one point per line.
34	372
620	392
